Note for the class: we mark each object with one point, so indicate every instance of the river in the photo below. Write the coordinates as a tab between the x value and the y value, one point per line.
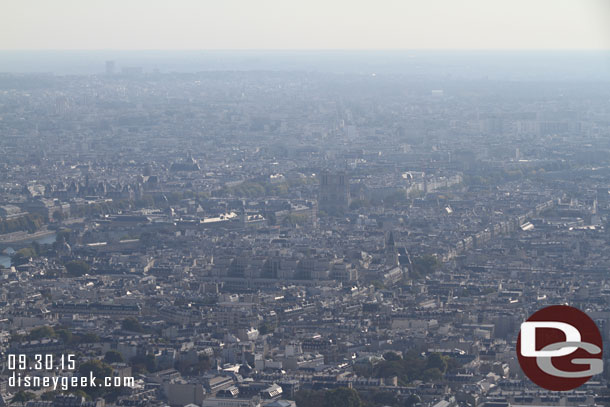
5	260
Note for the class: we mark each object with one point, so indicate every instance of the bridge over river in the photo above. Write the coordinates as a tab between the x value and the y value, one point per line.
10	245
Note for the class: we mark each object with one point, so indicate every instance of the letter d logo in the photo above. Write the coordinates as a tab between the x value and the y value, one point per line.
528	338
560	348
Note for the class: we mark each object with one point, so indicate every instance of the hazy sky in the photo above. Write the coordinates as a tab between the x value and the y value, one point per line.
304	24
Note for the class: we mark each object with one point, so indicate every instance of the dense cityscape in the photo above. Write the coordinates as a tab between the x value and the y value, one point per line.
296	238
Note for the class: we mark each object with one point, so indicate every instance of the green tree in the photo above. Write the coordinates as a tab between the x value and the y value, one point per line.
412	366
23	396
359	203
22	256
412	400
148	238
63	236
16	338
309	398
390	368
80	393
58	216
77	268
64	334
391	356
295	219
41	332
202	365
30	223
112	356
99	370
132	324
437	361
432	375
266	328
424	265
395	198
143	363
342	397
49	395
87	337
384	398
363	369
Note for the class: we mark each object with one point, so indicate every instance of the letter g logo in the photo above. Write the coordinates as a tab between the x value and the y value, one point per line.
553	346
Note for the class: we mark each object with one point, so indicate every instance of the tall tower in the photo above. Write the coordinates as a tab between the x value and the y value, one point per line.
334	195
109	67
391	253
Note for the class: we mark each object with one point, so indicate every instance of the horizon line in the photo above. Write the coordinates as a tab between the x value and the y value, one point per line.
307	49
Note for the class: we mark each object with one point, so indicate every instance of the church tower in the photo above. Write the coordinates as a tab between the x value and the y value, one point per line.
391	254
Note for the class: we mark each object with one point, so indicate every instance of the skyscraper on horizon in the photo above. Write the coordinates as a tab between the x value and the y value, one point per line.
110	67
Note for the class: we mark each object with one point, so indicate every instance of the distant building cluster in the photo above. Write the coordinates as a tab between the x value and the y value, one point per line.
293	239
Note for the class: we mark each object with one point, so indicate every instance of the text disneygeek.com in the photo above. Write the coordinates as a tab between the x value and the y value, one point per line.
68	382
